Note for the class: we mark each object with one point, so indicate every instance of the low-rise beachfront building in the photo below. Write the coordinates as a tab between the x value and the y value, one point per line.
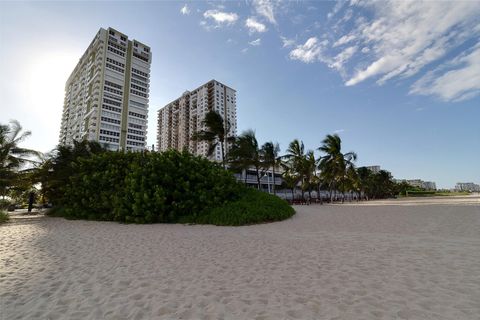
467	186
179	120
418	183
374	169
106	95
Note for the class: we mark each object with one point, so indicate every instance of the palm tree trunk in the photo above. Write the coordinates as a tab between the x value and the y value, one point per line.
331	192
258	178
223	154
273	178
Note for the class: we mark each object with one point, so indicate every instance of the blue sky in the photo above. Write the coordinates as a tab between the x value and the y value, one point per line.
399	81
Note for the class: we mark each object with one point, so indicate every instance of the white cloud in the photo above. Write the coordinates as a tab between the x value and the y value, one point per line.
342	58
244	50
185	10
255	42
287	42
255	26
339	131
365	50
221	17
338	6
308	52
407	36
344	40
455	81
265	8
390	40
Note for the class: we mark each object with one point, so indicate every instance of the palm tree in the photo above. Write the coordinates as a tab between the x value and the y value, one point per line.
295	160
245	153
271	158
217	133
334	164
308	172
55	170
353	181
290	180
12	156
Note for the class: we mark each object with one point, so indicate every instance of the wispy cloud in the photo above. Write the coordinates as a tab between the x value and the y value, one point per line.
310	51
265	8
455	81
388	40
339	131
256	42
407	36
338	6
185	10
287	42
221	17
255	26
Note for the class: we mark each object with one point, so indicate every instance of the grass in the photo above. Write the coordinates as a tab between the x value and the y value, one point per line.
253	207
436	194
4	217
461	193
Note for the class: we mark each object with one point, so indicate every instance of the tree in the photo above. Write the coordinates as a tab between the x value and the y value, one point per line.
245	154
217	133
271	158
290	181
334	163
56	169
12	156
294	160
308	167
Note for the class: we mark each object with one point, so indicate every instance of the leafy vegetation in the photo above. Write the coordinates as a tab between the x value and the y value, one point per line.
13	158
161	187
251	207
3	217
217	133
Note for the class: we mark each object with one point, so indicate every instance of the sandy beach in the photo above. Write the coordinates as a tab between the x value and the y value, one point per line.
400	259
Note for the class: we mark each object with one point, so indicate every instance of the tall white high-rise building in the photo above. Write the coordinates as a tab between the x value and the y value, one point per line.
180	119
106	96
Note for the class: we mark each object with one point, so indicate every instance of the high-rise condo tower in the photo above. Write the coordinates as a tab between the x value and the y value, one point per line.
180	119
106	96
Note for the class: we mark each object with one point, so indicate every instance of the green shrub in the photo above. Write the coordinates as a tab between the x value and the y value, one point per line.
162	187
145	187
252	207
4	217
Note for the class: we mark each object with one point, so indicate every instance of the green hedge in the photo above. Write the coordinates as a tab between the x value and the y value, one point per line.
252	207
162	187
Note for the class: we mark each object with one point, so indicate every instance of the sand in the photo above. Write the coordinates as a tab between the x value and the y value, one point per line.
380	260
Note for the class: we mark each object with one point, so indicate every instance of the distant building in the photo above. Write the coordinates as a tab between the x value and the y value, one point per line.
106	95
418	183
429	185
374	169
415	183
180	119
467	186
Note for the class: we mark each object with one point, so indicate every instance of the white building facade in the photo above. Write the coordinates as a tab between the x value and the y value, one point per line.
106	96
467	186
179	120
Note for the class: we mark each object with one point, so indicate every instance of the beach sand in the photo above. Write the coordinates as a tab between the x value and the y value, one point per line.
377	260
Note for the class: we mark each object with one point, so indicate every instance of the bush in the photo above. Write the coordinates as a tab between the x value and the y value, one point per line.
252	207
145	187
162	187
4	217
